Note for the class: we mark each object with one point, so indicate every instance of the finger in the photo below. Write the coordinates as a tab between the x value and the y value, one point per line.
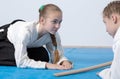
68	66
60	67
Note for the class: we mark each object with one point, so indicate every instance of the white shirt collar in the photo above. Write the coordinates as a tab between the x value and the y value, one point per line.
117	35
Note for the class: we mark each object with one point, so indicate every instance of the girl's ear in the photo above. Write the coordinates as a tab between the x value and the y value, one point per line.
42	20
114	18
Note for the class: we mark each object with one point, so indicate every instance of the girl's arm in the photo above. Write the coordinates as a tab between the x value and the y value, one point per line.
63	60
22	60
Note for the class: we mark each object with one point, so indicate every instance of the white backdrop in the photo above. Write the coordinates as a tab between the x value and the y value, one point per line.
82	19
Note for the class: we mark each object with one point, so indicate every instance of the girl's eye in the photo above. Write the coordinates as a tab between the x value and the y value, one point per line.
55	22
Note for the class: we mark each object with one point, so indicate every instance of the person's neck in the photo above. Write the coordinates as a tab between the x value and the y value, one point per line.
41	31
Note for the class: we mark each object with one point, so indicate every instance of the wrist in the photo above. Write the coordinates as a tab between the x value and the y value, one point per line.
46	66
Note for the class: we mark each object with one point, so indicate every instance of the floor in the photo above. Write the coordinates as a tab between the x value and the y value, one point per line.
81	58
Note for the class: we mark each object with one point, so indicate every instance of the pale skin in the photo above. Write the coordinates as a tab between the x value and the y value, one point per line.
51	24
112	23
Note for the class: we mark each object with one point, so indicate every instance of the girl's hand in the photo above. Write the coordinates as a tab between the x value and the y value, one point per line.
54	66
66	64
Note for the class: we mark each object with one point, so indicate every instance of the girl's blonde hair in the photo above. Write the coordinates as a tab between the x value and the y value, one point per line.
56	52
45	9
112	7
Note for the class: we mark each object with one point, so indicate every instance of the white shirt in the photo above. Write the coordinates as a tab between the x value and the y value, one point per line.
114	71
24	35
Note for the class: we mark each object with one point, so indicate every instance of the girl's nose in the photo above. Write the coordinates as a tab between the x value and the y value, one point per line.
57	26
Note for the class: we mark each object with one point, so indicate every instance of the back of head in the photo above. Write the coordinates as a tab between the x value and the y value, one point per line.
45	9
112	7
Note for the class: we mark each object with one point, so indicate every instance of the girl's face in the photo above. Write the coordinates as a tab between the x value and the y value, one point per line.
52	22
110	25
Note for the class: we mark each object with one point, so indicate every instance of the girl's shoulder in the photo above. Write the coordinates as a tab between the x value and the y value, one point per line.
23	24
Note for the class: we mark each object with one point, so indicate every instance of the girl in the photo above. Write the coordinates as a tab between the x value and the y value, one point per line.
24	44
111	18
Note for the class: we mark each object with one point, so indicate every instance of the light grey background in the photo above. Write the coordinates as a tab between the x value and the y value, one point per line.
82	19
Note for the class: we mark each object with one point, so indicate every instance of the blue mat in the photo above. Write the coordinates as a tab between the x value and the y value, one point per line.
81	58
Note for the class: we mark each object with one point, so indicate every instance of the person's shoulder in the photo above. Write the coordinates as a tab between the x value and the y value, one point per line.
25	22
22	25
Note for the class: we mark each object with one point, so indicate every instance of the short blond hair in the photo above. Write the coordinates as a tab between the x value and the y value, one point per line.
112	7
45	9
